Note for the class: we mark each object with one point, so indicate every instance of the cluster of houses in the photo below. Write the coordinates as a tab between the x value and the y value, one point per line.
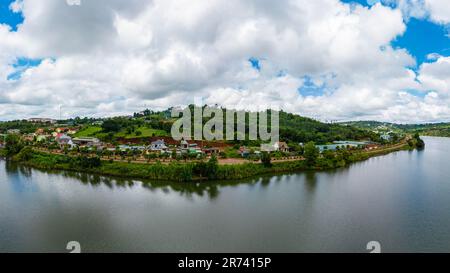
161	147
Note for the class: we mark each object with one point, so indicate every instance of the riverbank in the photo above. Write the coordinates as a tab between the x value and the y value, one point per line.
191	171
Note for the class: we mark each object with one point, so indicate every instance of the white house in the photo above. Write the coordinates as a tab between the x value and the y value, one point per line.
277	146
158	145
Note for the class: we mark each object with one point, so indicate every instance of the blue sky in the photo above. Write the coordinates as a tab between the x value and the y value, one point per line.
9	17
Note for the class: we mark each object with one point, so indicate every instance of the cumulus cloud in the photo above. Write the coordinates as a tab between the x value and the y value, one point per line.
108	57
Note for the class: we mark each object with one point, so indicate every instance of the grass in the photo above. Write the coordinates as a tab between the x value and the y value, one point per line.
96	131
145	132
88	131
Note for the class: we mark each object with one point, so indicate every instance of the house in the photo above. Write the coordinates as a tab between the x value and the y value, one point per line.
61	130
158	145
63	139
211	151
243	151
13	132
282	147
98	123
184	145
40	131
87	141
124	148
72	131
386	137
29	137
372	146
40	138
277	146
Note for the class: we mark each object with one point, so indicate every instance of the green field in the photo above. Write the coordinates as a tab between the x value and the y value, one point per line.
96	131
145	132
88	131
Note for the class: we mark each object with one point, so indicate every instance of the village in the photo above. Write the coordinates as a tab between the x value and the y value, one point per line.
56	138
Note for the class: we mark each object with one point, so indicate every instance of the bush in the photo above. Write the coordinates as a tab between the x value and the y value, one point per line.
13	145
266	160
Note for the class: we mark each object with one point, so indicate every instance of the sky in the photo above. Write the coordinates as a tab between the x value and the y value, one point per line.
332	60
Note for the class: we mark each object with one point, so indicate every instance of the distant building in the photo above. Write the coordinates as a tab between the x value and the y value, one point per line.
42	120
98	123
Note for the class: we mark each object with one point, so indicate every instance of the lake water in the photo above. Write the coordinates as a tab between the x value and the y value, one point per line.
401	200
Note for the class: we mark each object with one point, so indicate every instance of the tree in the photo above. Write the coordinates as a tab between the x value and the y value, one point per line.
266	159
311	153
13	145
420	144
212	167
111	125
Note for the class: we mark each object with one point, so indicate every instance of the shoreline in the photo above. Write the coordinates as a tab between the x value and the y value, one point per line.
189	172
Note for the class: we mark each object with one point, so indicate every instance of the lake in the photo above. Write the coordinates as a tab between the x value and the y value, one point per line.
401	200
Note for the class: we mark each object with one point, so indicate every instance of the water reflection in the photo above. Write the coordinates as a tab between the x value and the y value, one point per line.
186	189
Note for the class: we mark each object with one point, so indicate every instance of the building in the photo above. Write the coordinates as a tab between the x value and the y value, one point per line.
40	131
282	147
158	145
29	137
211	151
243	151
386	137
184	145
40	138
13	132
72	131
61	130
87	141
342	145
274	147
42	120
63	139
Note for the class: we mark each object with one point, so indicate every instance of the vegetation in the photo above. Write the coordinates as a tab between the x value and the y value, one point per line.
189	166
188	171
311	153
428	129
266	159
89	131
13	145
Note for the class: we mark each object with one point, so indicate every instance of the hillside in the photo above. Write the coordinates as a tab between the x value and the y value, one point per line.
147	124
426	129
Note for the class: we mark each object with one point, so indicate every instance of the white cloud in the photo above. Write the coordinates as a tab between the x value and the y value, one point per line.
108	57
